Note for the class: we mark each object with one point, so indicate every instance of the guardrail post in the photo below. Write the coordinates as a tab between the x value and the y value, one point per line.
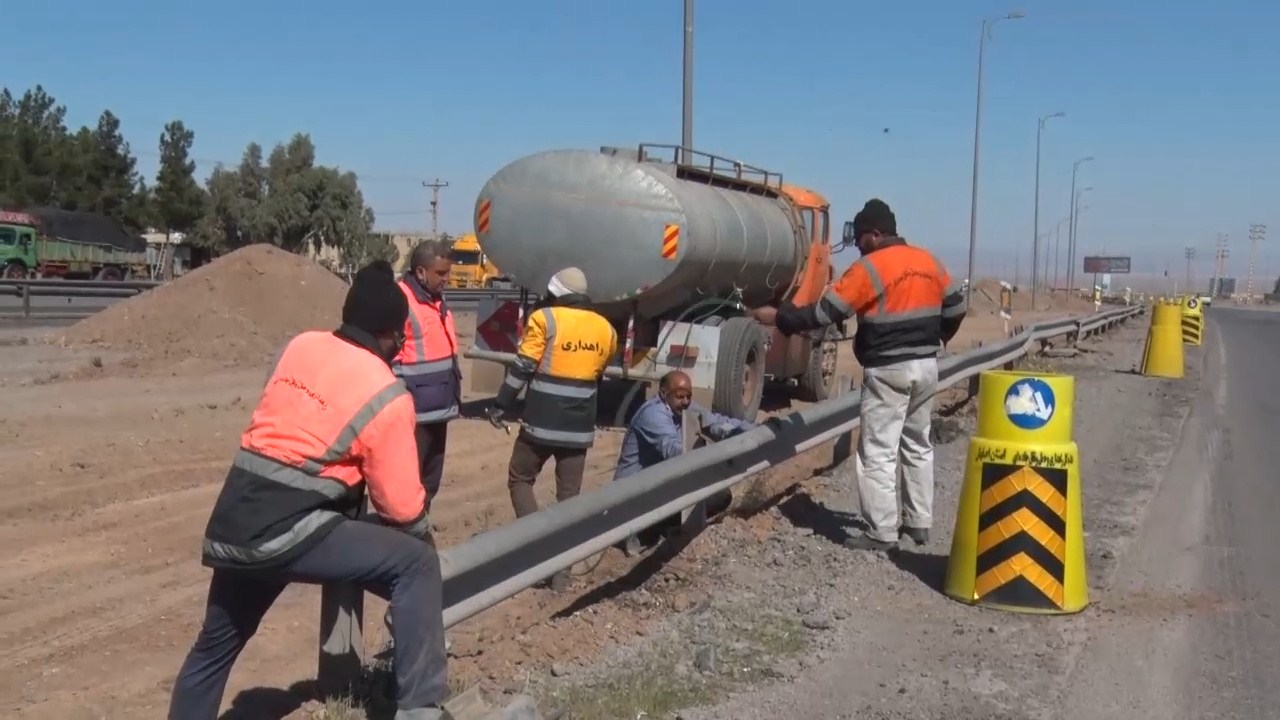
341	639
694	519
843	447
26	301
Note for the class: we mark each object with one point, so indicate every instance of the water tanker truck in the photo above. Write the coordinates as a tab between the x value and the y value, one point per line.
677	247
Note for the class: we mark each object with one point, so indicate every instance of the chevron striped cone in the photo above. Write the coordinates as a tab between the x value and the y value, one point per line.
1019	538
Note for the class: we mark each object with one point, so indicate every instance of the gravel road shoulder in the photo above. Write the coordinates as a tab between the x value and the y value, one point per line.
871	636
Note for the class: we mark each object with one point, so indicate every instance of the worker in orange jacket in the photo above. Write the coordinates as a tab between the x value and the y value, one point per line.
907	308
332	422
428	362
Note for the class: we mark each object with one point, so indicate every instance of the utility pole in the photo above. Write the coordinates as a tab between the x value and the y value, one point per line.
1035	232
1220	254
1257	233
686	126
987	24
1190	255
435	186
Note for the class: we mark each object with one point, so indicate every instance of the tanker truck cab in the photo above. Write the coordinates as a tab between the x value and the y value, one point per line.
678	247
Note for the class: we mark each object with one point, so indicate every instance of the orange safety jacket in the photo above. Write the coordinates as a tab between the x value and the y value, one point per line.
332	420
428	363
905	301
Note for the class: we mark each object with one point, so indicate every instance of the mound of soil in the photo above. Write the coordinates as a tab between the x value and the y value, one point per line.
237	310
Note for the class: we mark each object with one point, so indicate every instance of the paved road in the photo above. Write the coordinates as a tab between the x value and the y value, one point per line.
1207	561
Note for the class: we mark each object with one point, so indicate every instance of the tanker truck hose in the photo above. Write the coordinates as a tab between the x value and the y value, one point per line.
735	300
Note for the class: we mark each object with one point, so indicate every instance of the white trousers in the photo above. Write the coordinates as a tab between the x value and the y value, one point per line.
897	404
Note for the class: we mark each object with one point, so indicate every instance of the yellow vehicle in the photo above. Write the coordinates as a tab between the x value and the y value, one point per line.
471	267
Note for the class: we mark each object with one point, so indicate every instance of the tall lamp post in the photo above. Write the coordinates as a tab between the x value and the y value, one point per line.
987	24
1075	228
1071	229
686	125
1035	236
1057	250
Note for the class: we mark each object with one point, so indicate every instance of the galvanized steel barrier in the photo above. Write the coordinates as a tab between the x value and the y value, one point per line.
497	564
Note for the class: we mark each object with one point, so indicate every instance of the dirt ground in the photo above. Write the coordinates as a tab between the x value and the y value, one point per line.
119	451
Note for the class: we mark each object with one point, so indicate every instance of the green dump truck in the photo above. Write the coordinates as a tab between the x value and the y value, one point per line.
27	251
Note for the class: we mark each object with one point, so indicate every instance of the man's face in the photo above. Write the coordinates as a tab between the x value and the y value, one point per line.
434	276
391	343
679	397
868	240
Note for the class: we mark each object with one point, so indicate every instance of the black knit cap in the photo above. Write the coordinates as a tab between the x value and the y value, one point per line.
875	215
375	303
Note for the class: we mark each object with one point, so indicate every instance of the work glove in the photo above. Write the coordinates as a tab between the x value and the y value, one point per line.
495	415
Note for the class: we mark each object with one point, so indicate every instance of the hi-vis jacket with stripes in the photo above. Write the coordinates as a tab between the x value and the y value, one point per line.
429	360
332	420
903	297
562	356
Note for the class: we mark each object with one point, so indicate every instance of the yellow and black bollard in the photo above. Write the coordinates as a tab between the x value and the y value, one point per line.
1019	537
1192	320
1163	355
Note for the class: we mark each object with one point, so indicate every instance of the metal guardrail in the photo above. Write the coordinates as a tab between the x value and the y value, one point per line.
495	565
27	289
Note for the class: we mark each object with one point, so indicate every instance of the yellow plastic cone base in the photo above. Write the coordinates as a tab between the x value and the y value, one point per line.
1163	355
1019	536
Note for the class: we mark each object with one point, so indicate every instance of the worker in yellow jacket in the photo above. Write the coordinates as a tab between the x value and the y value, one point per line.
561	359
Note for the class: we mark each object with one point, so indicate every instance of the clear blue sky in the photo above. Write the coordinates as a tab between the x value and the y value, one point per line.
1179	102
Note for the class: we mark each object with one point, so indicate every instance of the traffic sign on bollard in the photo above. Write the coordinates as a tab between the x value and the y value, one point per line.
1192	321
1019	538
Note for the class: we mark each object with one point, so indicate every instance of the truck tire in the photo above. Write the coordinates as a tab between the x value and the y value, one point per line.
110	274
819	378
739	369
15	271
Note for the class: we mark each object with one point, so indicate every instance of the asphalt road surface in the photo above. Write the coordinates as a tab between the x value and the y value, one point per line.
1210	542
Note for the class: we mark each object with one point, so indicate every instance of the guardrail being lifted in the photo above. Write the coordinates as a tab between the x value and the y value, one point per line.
495	565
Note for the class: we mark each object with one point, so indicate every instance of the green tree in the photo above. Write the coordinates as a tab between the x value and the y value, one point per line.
112	174
179	201
374	246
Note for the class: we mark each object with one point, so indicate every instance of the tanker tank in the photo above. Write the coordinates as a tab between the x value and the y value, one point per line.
607	214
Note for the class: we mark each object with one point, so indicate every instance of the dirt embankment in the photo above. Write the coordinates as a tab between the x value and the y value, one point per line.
235	311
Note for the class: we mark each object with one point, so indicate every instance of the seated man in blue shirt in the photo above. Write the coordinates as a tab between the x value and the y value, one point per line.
654	435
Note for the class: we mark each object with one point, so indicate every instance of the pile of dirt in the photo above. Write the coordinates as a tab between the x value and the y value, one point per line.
236	311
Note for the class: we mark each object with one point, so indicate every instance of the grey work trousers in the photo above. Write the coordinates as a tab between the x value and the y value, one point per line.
389	563
897	409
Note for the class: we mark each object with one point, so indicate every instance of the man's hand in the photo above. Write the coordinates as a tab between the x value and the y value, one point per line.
495	415
766	315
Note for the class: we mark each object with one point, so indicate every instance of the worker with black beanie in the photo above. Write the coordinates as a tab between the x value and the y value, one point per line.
907	308
333	422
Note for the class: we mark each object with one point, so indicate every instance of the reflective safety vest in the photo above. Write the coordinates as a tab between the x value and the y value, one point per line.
332	419
902	295
562	356
429	360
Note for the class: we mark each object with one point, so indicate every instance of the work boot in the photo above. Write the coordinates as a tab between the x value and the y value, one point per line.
866	542
920	536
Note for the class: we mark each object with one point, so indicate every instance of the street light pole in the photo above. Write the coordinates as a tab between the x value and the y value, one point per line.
977	143
1035	235
1071	229
686	127
1075	234
1057	250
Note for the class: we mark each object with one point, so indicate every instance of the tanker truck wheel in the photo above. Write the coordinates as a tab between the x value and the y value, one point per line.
819	377
739	369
